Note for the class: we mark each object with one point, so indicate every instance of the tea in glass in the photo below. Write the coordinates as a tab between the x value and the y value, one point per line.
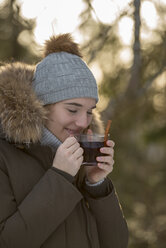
91	144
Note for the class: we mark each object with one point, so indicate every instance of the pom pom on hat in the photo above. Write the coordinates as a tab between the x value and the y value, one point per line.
61	43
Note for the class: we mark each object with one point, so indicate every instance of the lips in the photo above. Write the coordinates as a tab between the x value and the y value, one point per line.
73	131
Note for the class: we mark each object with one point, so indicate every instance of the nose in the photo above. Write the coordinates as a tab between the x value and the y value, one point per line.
82	121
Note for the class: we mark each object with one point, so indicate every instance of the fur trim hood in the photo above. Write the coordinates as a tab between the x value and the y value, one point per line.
22	115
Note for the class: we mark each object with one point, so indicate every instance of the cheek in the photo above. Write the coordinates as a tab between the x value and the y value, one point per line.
64	120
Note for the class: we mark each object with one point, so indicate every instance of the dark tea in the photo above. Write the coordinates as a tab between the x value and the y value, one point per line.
91	151
91	144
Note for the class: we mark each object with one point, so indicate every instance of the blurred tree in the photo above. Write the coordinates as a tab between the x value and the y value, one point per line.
135	94
16	34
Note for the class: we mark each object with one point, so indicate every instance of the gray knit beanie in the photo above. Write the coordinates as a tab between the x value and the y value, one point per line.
62	74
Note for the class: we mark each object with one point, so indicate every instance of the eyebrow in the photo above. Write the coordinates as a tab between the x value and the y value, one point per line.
77	104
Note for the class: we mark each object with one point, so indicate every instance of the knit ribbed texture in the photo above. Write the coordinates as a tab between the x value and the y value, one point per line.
49	139
94	184
61	76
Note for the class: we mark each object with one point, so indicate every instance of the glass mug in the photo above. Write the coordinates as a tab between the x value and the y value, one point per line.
91	144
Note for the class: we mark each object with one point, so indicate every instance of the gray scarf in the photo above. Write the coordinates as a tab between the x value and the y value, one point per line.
50	139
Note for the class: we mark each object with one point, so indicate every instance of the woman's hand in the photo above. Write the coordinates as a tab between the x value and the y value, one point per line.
69	157
105	164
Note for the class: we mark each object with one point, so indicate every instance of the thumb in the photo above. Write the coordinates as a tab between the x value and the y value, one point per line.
89	134
89	131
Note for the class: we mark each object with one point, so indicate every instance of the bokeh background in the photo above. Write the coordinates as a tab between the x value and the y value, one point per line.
124	44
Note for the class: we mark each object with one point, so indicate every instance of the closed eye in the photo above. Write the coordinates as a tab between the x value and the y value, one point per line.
75	111
72	111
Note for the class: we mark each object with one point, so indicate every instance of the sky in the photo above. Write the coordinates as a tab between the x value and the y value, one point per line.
60	16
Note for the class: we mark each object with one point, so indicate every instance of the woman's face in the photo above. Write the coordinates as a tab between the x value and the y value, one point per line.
70	117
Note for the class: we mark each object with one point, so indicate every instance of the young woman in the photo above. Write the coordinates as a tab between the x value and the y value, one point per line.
47	199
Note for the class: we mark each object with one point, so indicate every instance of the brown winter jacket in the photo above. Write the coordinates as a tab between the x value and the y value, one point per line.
41	206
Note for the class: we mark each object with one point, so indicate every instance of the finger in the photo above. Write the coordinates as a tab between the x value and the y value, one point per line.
110	143
69	142
106	167
80	160
73	148
78	153
107	150
89	131
105	159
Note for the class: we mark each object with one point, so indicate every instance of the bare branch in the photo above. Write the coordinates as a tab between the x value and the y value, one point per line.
134	82
103	32
149	82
